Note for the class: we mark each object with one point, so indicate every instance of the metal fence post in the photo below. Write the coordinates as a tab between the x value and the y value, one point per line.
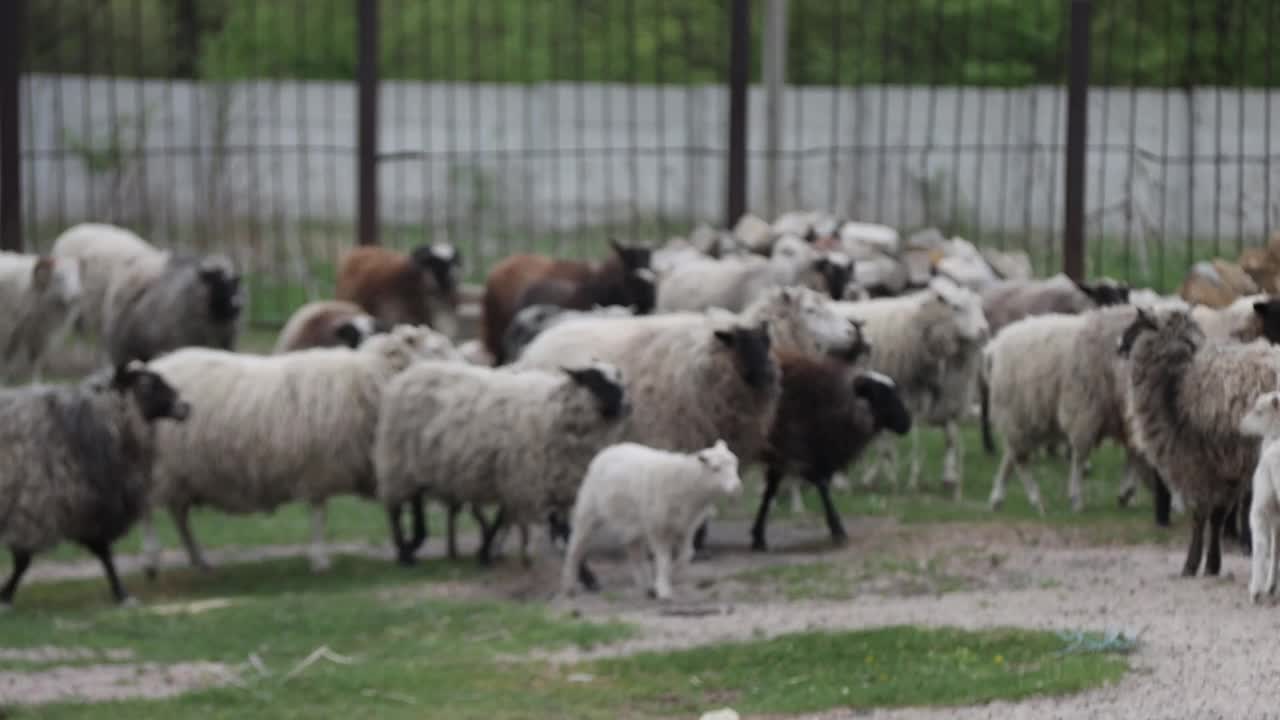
11	34
1077	135
367	130
739	72
775	77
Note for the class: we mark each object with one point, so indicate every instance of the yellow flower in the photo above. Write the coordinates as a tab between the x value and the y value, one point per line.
871	659
999	659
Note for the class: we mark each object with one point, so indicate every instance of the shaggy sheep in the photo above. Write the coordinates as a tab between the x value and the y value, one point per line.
185	302
1263	421
75	464
929	343
652	500
103	251
420	288
624	279
1248	318
327	323
531	321
41	298
734	283
1008	301
1186	399
827	415
276	429
520	440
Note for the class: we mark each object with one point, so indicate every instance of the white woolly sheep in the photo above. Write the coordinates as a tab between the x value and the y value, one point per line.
74	464
518	439
929	343
275	429
734	283
534	319
652	500
103	251
41	297
1263	420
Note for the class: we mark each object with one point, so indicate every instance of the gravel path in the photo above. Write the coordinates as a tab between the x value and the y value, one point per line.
1195	658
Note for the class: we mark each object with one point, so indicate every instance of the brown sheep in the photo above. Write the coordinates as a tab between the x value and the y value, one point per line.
1216	283
1262	264
414	289
624	279
327	323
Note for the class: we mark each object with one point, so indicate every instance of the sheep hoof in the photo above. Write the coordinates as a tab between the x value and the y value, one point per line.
1256	597
651	594
1126	497
129	601
996	503
839	539
150	573
406	558
758	544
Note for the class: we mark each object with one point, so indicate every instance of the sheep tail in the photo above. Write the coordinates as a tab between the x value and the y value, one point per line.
984	398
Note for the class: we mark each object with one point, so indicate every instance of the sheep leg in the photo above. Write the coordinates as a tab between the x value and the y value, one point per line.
1030	485
661	568
951	474
102	550
405	549
1273	560
1199	519
1129	487
638	559
182	519
1261	574
838	535
485	554
772	479
1213	564
525	558
1002	477
21	561
1246	527
1163	500
451	528
913	479
797	499
1075	482
872	473
319	555
150	545
574	560
700	538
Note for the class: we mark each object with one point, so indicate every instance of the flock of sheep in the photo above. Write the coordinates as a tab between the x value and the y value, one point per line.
624	394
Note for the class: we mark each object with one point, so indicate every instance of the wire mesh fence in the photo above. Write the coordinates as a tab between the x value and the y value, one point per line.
550	125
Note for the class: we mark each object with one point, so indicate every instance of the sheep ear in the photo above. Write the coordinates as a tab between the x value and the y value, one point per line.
124	375
725	337
1260	308
704	458
348	333
42	273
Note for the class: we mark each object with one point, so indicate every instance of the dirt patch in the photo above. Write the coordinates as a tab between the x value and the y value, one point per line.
56	654
94	683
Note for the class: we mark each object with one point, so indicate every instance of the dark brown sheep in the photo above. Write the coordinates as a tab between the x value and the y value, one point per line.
828	414
625	278
396	288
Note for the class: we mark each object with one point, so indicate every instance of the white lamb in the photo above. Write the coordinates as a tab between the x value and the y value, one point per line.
1263	420
40	298
653	500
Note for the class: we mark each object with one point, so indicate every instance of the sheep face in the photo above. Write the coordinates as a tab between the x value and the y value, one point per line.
443	262
829	329
837	271
632	258
1180	335
223	285
353	331
1105	292
1268	312
58	281
881	393
966	307
640	287
156	399
721	465
860	347
751	357
604	381
1263	419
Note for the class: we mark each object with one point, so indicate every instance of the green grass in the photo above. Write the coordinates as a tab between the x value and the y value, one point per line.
420	657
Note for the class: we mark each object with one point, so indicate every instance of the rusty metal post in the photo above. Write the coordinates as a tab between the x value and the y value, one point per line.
11	35
739	73
367	130
1073	241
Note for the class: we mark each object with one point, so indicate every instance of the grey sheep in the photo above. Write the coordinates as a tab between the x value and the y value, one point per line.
75	464
1186	399
186	302
1012	300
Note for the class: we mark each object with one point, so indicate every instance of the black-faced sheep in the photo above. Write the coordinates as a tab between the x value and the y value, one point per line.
41	297
625	279
652	501
75	464
420	288
517	439
327	323
828	414
1186	399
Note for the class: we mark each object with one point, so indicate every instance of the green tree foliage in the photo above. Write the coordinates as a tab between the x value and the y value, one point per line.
1173	43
